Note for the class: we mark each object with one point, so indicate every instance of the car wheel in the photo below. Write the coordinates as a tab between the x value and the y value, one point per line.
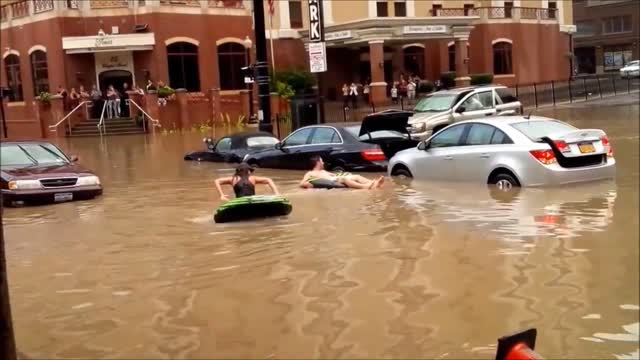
402	172
338	169
505	182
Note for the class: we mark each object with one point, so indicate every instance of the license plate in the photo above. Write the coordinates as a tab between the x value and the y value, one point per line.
62	197
586	148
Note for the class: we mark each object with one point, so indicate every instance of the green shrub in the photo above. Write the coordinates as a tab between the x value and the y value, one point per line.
300	81
285	91
165	92
425	86
45	97
481	79
448	79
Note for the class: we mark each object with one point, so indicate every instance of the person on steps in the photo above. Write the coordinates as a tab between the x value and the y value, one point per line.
349	180
244	183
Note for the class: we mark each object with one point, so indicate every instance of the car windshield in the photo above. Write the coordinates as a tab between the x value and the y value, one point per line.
31	154
261	141
436	103
380	134
537	129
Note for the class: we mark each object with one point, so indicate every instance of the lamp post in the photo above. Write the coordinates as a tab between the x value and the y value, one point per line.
262	67
248	44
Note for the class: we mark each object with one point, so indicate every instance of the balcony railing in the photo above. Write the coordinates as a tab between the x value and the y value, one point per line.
19	9
517	13
453	12
190	3
42	6
237	4
4	13
109	4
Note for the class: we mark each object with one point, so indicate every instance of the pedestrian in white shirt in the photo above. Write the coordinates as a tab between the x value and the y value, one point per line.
353	94
411	90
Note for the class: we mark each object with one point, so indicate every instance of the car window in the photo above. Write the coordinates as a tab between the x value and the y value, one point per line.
261	141
436	103
473	103
325	135
506	96
497	99
44	153
537	129
448	137
479	134
500	137
13	155
486	98
223	144
299	137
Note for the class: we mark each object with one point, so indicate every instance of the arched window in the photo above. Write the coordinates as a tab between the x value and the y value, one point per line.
40	72
502	58
232	57
14	80
183	66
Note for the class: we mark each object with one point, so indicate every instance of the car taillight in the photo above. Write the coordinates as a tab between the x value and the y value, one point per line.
544	156
373	155
562	146
607	146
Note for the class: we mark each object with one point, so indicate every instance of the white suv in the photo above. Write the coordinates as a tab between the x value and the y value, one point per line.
631	70
446	107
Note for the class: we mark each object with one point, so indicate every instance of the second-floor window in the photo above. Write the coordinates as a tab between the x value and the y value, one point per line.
508	9
400	8
616	24
468	9
553	9
435	8
585	28
382	8
295	14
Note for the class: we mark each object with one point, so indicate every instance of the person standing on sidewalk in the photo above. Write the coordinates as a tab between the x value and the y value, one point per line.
353	94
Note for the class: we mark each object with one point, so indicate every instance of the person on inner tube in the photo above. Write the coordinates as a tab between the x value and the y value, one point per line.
243	183
349	180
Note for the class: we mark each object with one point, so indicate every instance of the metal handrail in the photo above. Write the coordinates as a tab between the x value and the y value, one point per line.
67	116
101	122
155	122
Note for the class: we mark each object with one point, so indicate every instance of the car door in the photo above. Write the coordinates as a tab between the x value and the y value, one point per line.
222	149
437	161
476	105
324	141
481	144
292	150
506	102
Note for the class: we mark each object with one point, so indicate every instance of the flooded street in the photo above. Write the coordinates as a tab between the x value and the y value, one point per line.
414	270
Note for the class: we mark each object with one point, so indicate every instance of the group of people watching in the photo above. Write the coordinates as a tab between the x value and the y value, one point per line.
406	87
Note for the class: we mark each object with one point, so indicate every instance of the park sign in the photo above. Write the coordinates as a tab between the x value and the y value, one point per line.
317	48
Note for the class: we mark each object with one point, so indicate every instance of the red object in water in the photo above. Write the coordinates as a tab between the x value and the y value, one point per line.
518	346
522	352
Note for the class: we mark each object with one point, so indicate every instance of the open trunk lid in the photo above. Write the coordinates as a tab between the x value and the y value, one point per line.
579	148
377	129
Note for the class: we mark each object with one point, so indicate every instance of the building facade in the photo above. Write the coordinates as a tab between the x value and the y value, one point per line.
607	36
200	45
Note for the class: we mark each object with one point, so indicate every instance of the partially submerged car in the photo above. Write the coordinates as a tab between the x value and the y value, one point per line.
233	148
631	70
39	172
343	146
510	151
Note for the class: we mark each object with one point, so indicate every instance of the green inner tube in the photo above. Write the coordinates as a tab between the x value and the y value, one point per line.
252	207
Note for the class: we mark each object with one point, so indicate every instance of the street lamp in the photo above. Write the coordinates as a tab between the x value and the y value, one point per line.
248	44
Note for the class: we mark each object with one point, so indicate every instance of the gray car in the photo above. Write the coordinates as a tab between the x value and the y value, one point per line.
446	107
509	151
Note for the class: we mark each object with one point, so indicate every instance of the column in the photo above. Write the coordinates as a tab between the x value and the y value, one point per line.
183	120
376	59
599	59
462	72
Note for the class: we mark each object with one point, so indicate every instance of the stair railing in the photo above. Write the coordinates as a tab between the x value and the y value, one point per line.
155	122
101	126
54	127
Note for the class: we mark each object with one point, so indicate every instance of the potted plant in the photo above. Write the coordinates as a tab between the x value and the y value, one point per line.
45	98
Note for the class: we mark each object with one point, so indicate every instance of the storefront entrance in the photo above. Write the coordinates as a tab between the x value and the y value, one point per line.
117	78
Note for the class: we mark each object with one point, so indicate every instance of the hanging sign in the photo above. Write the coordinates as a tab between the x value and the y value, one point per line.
316	27
317	57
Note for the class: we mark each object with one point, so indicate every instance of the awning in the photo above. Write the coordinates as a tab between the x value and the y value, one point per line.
108	43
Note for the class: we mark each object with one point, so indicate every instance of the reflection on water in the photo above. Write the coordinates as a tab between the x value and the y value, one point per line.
414	270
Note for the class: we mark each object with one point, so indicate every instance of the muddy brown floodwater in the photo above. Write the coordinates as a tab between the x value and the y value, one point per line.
414	270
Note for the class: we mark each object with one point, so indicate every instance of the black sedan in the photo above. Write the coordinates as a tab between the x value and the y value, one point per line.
343	146
233	148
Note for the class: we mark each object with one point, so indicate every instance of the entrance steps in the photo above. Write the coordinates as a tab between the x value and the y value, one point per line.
116	126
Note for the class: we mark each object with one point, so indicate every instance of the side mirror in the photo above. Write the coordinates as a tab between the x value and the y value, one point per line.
424	145
461	109
73	158
278	146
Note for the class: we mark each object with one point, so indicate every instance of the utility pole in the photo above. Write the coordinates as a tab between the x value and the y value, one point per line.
262	68
7	339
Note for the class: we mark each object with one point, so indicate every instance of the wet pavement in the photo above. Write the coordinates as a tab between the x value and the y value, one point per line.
414	270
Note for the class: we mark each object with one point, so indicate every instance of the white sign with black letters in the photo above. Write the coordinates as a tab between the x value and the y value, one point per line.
424	29
316	27
317	57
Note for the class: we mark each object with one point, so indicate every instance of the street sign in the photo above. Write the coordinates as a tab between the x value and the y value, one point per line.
317	57
316	27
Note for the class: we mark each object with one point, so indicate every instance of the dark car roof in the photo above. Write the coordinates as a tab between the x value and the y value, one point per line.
239	140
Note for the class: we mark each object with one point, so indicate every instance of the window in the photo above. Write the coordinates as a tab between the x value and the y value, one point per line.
468	10
585	28
537	129
259	141
382	8
182	58
295	14
400	8
14	80
39	72
473	103
324	135
29	154
479	134
299	137
435	9
502	58
508	9
486	98
553	9
452	57
232	57
500	138
616	57
506	96
616	24
448	137
224	144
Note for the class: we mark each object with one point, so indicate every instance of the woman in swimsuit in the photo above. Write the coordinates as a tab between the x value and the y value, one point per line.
243	183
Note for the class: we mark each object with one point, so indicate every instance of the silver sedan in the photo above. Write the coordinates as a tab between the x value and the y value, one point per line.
509	151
